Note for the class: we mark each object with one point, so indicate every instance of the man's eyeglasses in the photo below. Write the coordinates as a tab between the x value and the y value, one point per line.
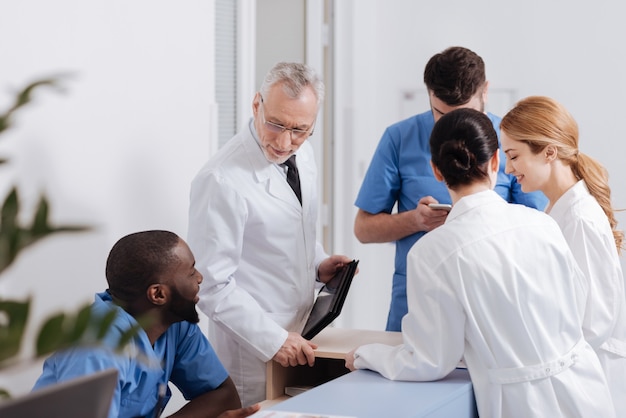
296	134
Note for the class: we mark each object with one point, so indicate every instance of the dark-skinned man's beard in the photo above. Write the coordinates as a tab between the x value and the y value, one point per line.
184	308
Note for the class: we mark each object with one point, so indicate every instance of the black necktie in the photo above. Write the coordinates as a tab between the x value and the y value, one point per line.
292	176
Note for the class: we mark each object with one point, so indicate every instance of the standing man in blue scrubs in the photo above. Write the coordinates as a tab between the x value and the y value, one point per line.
400	171
152	276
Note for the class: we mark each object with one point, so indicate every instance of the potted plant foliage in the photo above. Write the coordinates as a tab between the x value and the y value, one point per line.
61	329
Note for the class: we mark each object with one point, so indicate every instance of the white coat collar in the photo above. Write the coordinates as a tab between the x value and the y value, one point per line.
577	192
272	173
467	203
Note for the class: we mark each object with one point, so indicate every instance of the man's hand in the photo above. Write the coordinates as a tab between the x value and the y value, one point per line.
330	266
241	412
427	217
389	227
350	360
295	350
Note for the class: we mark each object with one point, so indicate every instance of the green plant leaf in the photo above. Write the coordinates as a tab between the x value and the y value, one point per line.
128	335
24	97
8	215
4	122
63	330
50	336
14	238
13	319
58	330
104	324
9	230
81	324
40	221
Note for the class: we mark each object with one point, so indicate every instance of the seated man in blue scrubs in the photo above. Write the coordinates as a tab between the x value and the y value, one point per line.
152	277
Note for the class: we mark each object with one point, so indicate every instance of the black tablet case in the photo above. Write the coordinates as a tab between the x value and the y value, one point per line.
328	306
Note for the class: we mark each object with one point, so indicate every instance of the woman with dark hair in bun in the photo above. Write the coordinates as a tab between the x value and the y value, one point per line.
497	287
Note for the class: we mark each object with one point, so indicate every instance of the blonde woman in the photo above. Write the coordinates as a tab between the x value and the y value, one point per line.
540	139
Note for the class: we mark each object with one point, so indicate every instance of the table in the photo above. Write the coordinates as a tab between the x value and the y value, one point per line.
333	345
366	394
363	393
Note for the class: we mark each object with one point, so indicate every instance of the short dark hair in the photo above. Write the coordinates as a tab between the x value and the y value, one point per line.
455	75
137	261
461	145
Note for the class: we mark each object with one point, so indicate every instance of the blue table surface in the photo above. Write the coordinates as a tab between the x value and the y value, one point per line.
363	394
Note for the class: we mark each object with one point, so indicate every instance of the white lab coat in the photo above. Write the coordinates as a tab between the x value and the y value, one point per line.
256	248
497	285
587	230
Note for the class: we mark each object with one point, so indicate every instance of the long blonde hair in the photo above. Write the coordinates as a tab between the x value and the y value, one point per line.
541	121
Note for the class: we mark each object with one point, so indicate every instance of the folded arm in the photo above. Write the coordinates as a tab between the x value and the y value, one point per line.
389	227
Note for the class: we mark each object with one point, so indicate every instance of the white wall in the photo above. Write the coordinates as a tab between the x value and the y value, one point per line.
119	149
572	51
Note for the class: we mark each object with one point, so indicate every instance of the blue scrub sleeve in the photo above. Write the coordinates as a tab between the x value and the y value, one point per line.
73	363
197	369
381	184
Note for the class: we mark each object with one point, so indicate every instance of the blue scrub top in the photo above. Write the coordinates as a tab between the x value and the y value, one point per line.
400	172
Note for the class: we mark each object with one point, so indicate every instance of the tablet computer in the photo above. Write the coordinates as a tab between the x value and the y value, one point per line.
328	305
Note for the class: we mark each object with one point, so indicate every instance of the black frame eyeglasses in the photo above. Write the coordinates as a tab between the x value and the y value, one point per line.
295	134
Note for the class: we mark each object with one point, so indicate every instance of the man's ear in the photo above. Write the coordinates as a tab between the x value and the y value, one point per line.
436	172
157	294
256	102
